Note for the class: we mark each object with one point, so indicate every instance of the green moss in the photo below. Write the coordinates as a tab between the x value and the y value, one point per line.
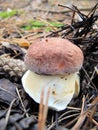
56	24
39	24
7	14
36	23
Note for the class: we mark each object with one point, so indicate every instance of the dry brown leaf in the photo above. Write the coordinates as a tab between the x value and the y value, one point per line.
21	42
7	91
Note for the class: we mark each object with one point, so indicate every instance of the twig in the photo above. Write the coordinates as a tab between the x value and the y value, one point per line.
47	23
62	119
95	122
43	110
68	112
81	118
8	113
59	12
88	78
22	102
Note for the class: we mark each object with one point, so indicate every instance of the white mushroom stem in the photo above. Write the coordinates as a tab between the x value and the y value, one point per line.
62	88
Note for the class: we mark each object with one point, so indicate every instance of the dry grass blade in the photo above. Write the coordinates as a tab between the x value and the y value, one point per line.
22	102
62	119
43	109
8	113
91	117
95	122
68	112
47	23
88	78
80	121
92	111
81	117
94	103
93	9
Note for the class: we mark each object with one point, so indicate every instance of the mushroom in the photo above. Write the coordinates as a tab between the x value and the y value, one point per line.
53	63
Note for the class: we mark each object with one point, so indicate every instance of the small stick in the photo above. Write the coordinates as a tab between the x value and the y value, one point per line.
25	111
82	117
8	113
43	110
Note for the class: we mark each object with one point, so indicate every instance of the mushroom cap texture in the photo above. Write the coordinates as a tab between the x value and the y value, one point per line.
54	56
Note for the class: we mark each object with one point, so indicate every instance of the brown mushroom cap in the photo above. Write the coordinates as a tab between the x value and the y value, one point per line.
54	56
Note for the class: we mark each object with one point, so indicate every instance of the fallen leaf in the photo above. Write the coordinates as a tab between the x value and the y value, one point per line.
21	42
7	91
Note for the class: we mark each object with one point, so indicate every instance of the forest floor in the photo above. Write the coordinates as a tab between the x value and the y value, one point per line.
23	22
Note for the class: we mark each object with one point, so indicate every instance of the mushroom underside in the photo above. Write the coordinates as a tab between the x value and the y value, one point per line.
62	88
